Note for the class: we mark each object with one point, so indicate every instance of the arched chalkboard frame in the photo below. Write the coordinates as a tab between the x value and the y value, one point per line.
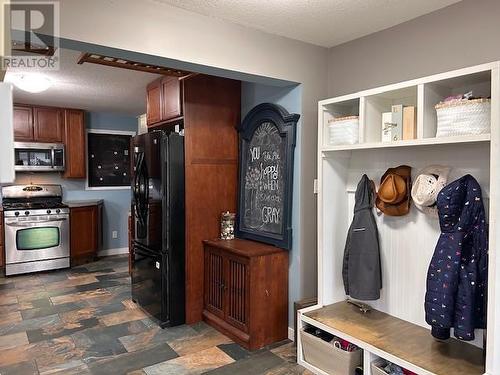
266	175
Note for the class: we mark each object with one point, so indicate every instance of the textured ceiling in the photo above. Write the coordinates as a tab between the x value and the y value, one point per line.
323	22
90	87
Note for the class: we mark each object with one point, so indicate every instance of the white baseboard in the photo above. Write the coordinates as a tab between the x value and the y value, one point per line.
291	334
116	251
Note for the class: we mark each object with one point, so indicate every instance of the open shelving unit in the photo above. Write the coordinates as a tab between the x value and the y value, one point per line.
406	243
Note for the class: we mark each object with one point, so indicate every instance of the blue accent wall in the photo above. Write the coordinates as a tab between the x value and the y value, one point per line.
116	202
291	99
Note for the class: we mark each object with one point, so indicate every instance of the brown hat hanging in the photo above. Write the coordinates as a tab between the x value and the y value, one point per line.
393	196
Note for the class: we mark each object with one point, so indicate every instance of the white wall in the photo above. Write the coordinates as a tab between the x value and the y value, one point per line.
208	45
464	34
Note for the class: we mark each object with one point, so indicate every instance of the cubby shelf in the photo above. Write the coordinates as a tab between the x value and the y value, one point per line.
407	243
410	143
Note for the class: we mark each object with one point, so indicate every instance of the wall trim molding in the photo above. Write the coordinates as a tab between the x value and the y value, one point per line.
115	251
291	334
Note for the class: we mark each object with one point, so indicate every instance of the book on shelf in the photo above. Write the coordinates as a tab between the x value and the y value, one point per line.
397	120
409	122
399	124
387	125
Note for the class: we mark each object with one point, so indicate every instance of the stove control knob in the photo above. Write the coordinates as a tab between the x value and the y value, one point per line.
49	211
58	211
26	213
16	213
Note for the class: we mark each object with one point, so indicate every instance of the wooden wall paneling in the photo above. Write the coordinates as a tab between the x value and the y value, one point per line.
74	141
211	112
23	123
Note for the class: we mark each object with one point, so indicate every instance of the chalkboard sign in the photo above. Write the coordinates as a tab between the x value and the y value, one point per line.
267	142
108	160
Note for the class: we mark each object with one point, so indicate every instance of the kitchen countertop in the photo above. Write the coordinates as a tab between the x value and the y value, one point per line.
83	203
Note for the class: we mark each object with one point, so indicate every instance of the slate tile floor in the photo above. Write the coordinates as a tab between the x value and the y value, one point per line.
82	321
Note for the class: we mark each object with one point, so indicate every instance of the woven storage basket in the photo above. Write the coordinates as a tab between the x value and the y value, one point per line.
344	130
325	356
463	117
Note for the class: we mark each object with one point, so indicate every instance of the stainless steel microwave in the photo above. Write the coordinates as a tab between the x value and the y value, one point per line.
38	157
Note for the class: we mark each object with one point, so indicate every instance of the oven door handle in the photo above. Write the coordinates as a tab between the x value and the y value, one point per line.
30	223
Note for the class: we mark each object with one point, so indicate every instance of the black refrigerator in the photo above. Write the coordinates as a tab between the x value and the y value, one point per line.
158	199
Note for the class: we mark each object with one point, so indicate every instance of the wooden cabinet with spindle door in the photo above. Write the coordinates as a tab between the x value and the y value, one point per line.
246	291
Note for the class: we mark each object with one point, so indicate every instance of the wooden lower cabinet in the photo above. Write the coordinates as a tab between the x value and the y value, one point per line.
85	233
246	291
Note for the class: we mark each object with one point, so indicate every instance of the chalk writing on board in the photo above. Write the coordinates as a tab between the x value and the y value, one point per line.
264	184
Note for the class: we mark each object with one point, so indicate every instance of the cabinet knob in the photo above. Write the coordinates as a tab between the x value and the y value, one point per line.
267	293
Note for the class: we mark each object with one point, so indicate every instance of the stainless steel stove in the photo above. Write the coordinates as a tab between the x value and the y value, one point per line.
36	228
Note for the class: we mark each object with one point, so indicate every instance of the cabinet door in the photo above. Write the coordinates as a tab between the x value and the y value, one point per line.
237	279
84	231
153	105
171	98
48	124
74	141
214	282
23	123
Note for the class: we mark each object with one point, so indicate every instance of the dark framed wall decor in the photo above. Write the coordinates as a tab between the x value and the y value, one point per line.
267	142
108	159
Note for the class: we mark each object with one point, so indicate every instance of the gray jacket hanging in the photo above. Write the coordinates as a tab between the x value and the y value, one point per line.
361	269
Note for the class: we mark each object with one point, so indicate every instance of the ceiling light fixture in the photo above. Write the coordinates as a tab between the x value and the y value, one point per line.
30	82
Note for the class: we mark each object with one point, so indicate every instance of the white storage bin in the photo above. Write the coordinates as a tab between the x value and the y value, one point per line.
344	130
327	357
463	117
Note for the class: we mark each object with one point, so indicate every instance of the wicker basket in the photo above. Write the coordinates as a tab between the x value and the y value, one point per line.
344	130
463	117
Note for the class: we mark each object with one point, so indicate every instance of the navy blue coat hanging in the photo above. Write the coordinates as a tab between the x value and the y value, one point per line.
457	276
267	142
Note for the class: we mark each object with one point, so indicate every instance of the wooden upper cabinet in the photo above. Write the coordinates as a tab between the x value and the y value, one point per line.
153	111
164	100
74	141
23	123
171	98
48	125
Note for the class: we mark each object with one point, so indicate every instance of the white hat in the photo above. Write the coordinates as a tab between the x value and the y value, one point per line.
427	186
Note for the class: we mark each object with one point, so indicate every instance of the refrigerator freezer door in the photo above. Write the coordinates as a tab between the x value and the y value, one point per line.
147	281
